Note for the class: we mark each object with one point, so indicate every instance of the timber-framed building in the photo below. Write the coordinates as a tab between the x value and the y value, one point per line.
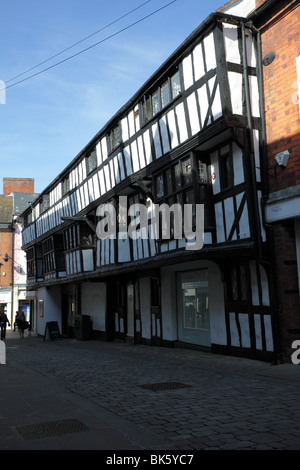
191	135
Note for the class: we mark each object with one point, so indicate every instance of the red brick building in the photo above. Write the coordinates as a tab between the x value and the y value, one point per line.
17	192
278	23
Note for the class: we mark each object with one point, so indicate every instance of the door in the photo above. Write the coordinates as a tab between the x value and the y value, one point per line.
130	310
156	320
119	309
193	310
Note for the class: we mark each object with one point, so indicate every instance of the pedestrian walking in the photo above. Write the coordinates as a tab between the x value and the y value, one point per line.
21	323
3	321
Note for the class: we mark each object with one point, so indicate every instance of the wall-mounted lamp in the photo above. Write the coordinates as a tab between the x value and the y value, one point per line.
282	158
268	59
5	258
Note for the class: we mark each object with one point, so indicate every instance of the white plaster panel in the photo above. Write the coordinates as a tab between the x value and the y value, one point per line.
112	173
156	138
187	68
131	123
231	44
217	104
183	134
219	222
268	333
145	304
116	170
168	304
256	154
250	49
216	305
172	129
254	284
93	303
193	113
203	102
235	340
98	154
107	177
210	53
238	166
198	62
121	166
244	220
128	164
235	85
147	144
135	156
245	330
137	119
229	216
257	328
240	8
164	134
52	307
141	151
91	190
124	129
264	286
104	149
101	181
254	96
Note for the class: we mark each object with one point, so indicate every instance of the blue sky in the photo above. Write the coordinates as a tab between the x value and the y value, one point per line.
48	119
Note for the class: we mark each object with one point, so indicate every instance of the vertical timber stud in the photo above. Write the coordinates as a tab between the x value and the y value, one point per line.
253	196
222	70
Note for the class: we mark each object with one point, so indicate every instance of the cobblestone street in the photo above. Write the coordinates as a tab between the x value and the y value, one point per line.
203	401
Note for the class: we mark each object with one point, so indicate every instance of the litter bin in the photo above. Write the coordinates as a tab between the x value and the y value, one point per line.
82	327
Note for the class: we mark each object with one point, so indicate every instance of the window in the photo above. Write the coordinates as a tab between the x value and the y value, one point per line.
53	257
78	236
174	185
175	85
226	167
49	256
161	96
65	186
91	162
45	203
237	283
28	219
72	237
114	138
30	263
34	262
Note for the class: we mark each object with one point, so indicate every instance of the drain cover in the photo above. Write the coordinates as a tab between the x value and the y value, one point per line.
164	386
53	428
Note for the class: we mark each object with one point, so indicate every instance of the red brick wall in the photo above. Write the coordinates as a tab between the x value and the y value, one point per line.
6	268
286	286
280	33
18	185
281	105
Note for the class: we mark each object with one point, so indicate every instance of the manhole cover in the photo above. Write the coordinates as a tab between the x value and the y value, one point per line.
164	386
53	428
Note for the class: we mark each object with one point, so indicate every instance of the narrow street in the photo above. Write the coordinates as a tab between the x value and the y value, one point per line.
144	398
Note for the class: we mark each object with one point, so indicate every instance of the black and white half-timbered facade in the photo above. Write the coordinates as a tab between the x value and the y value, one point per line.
190	135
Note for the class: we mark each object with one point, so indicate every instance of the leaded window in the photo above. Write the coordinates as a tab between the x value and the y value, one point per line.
161	96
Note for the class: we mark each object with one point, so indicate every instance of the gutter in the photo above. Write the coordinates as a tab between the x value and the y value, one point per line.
262	9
